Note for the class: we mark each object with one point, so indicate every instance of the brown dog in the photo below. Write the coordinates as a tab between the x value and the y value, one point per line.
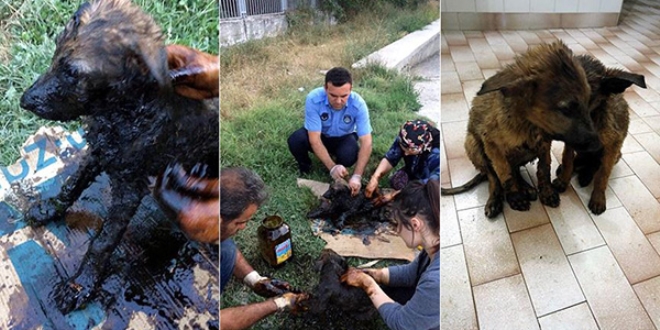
609	112
543	96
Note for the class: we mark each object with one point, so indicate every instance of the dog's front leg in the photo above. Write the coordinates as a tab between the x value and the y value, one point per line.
516	198
76	291
44	211
547	194
565	170
597	202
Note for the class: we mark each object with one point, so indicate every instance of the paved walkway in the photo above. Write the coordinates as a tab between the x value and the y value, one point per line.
429	87
555	268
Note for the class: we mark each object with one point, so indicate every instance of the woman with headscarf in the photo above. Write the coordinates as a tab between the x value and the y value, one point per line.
418	144
407	297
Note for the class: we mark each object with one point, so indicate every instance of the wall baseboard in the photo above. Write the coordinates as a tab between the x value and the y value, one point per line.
525	21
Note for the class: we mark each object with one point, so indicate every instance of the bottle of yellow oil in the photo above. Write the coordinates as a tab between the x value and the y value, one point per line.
275	240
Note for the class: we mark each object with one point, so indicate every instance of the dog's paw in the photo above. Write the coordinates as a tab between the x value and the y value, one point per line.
597	203
494	206
70	295
518	201
559	185
493	209
43	212
549	197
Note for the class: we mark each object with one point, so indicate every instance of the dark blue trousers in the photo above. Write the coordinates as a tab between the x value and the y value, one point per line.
344	149
227	262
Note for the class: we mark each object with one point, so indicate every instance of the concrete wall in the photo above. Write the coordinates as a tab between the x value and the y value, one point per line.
238	30
528	14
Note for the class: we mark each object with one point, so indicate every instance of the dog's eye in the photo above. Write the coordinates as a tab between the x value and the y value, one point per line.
71	71
567	108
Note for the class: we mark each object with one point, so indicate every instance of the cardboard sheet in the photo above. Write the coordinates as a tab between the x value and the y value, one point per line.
382	243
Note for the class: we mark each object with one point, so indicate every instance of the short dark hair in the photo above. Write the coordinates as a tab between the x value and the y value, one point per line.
338	76
239	188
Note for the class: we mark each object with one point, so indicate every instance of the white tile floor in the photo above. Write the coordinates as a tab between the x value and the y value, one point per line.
555	268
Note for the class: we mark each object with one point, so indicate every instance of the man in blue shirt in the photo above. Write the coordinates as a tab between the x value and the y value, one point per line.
336	118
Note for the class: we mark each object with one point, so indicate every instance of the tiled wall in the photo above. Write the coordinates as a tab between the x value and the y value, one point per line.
528	14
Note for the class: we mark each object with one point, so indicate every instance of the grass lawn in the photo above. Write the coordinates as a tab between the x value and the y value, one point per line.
27	41
261	104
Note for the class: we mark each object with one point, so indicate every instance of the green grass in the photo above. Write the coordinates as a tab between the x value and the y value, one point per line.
257	140
27	41
256	72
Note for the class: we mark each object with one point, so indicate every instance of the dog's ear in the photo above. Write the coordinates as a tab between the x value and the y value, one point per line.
328	194
507	85
153	59
79	17
616	81
318	265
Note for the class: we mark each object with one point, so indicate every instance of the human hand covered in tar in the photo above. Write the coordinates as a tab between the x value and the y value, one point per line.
292	302
192	199
358	278
371	187
195	74
271	287
379	274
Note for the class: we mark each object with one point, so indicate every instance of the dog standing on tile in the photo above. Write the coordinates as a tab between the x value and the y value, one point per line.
609	113
542	96
110	70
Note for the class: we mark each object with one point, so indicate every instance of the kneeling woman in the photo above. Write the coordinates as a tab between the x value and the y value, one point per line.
410	294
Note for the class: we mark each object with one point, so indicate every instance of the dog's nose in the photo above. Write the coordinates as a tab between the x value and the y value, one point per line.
28	100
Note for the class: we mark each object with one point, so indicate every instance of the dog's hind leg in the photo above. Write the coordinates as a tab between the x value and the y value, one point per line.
76	291
525	187
514	196
495	201
47	210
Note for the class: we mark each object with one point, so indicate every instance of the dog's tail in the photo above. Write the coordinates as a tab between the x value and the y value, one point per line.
479	178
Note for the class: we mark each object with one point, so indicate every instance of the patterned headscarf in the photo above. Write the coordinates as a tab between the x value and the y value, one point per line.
416	135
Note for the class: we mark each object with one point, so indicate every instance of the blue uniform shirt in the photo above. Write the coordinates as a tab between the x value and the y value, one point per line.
321	117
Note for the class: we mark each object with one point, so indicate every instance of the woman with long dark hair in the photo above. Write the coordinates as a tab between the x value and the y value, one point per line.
408	296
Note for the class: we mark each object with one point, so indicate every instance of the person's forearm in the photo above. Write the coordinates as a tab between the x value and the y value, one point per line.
242	267
383	168
363	158
377	295
322	153
241	317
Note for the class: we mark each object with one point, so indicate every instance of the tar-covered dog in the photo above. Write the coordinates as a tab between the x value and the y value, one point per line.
543	96
333	299
110	71
609	112
341	208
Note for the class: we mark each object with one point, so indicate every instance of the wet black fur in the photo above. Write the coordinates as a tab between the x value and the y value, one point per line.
335	300
110	71
341	208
